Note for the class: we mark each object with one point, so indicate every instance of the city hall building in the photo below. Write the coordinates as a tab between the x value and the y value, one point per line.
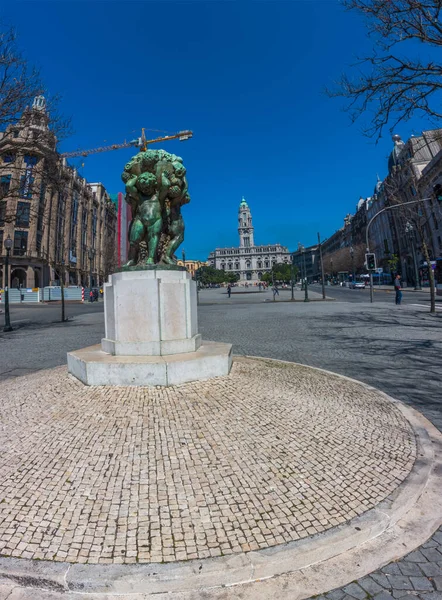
250	262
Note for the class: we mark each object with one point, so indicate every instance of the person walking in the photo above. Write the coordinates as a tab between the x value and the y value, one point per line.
398	289
275	291
229	290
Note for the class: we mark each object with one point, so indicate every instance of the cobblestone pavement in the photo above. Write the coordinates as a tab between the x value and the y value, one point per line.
419	574
266	455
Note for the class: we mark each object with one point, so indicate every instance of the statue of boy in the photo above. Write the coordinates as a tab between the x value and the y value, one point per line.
143	195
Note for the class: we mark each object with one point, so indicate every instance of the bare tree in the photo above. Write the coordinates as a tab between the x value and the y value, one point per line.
395	82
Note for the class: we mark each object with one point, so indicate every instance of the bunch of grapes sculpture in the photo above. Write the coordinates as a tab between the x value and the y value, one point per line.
156	189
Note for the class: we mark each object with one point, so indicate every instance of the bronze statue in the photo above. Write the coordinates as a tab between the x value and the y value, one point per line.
156	189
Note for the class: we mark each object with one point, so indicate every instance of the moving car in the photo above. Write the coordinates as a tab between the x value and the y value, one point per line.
357	285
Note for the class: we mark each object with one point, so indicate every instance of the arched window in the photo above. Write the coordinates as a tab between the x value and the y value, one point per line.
229	266
237	266
223	267
259	264
248	264
248	276
266	264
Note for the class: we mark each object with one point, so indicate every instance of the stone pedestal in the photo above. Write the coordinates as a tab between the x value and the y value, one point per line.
152	337
150	313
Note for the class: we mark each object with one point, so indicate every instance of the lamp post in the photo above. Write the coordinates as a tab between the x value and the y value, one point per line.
63	315
91	254
352	254
331	270
305	275
322	267
8	246
409	229
291	277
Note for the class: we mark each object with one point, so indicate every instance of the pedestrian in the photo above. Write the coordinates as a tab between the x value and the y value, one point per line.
229	290
260	286
91	296
275	291
398	290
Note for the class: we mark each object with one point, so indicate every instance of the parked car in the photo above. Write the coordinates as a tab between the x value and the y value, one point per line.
357	285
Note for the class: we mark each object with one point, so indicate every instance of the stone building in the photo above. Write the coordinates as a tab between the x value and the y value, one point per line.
250	262
192	266
58	222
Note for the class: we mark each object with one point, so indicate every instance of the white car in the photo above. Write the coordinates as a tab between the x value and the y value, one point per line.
357	285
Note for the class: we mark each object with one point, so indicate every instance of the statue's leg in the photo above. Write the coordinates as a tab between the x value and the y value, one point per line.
136	235
153	232
176	230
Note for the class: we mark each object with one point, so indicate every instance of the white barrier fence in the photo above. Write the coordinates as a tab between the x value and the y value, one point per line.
47	294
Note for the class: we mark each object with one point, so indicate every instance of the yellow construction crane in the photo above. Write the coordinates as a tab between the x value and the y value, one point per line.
140	143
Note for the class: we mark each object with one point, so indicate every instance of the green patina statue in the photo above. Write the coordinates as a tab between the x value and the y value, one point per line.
156	189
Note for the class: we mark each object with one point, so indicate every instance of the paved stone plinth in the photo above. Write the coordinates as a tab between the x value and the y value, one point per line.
271	453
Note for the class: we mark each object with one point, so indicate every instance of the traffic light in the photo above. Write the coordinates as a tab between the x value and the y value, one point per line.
437	191
370	260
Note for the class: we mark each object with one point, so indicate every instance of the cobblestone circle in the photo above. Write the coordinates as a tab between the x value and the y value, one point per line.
270	454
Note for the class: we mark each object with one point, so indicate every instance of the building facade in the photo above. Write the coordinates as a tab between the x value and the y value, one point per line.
124	218
192	266
307	262
248	261
59	223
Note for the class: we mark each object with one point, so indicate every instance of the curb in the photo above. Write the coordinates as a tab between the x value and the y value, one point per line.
296	570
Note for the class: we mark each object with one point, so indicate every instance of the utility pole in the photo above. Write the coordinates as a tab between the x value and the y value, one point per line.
322	266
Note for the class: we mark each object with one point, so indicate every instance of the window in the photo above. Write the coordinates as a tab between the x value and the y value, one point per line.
439	241
435	222
8	158
15	133
2	212
20	243
1	241
248	264
413	190
5	183
246	242
29	160
22	214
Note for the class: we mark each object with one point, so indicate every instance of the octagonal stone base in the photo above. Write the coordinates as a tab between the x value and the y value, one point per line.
92	366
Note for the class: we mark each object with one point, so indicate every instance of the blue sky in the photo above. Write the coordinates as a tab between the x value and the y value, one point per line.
246	77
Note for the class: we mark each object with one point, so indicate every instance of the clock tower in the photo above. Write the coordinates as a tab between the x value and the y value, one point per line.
245	227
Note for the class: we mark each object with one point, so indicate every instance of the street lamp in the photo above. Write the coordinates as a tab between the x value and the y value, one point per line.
305	275
352	254
291	276
91	254
409	229
8	246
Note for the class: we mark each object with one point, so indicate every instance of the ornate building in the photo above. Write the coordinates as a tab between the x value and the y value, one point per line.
250	262
58	222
